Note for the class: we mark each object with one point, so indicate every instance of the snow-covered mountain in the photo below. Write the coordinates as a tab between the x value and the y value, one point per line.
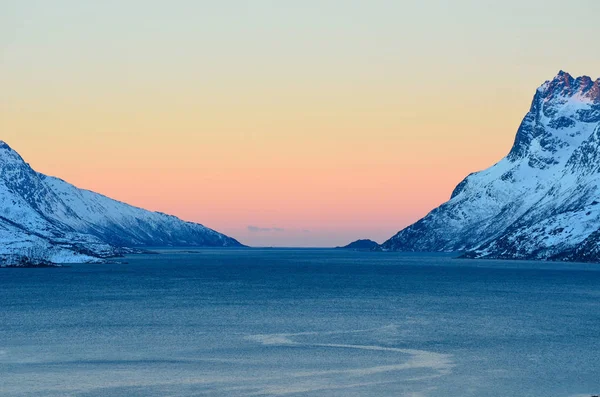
542	201
66	224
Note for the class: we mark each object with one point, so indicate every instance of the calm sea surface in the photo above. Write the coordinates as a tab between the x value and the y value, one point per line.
280	322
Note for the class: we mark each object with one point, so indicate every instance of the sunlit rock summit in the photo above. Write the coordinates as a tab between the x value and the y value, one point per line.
542	201
46	216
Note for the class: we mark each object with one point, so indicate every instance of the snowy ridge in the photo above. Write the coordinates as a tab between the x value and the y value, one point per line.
541	200
68	225
125	225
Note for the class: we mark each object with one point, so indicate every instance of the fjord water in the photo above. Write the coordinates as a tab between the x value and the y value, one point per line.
302	323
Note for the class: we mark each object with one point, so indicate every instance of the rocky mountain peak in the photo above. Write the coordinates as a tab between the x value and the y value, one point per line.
564	85
551	129
8	155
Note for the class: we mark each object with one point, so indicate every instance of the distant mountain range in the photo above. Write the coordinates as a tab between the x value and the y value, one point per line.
542	201
48	217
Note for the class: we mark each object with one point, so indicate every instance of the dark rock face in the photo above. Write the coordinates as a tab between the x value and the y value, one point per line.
71	224
541	200
364	244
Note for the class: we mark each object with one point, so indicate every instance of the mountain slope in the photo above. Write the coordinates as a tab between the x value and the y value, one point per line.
69	224
124	225
541	200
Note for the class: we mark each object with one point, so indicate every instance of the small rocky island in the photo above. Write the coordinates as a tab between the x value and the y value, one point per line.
361	245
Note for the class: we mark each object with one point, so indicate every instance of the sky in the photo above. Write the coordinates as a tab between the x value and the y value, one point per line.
280	123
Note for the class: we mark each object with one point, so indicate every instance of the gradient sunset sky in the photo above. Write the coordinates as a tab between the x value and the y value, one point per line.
280	123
